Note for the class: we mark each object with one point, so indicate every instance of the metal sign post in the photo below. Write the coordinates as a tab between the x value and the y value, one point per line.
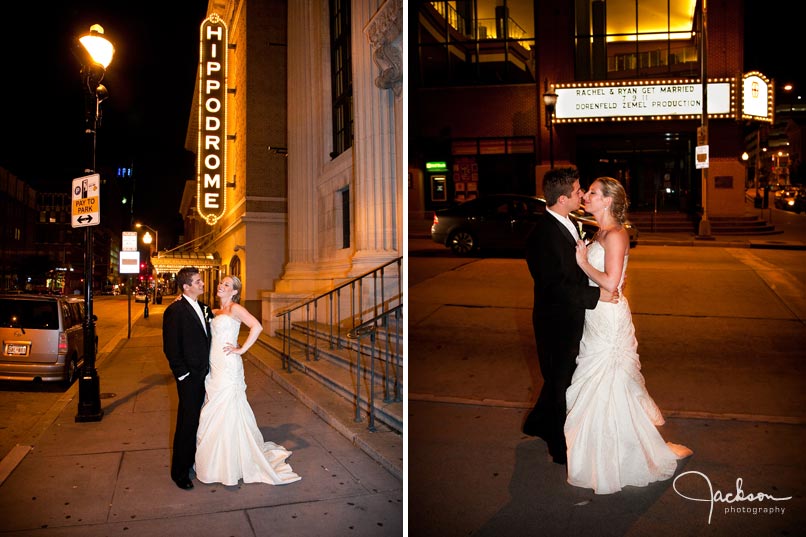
86	212
129	264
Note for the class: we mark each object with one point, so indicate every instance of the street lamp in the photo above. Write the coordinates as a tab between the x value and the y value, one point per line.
95	53
550	100
147	239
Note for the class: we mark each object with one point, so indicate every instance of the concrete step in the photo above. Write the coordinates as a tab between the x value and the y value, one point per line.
681	222
319	337
648	222
384	444
335	370
746	225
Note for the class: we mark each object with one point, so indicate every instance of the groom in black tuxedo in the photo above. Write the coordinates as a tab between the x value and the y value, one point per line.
186	344
561	296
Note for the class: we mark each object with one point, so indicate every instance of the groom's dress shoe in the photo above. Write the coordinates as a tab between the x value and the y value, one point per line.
530	429
184	483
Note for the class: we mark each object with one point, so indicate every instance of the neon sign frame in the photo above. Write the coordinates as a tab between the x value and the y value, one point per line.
211	155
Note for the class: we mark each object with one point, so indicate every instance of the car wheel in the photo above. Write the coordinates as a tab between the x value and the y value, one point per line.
462	243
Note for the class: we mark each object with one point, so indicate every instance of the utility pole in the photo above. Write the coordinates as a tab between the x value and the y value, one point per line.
704	231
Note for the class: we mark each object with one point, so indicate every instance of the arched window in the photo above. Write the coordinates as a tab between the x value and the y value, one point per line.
235	266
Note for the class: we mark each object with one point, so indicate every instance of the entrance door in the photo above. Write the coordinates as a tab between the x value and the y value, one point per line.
507	174
655	169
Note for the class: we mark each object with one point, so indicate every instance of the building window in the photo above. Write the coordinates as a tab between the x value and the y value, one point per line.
476	42
235	266
622	39
341	76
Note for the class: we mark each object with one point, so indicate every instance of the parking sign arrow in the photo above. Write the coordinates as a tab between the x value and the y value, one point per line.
87	218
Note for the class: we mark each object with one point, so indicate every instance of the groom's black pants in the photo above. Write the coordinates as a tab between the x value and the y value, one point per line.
557	342
191	398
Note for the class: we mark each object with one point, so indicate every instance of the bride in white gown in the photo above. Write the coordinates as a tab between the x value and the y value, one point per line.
229	445
611	424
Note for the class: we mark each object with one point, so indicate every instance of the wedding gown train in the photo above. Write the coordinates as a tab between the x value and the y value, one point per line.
611	424
229	445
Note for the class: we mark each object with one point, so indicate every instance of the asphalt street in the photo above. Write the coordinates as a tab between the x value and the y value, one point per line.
720	329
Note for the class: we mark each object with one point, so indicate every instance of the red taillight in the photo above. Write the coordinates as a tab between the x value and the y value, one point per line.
62	343
436	220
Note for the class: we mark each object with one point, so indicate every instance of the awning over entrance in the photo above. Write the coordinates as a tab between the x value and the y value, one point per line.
174	261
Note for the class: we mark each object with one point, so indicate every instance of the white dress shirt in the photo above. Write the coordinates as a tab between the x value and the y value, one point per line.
564	220
195	304
197	308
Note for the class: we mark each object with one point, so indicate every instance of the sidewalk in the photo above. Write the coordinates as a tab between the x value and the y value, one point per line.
112	477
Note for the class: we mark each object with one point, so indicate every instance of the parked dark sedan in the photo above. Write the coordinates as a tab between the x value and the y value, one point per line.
500	222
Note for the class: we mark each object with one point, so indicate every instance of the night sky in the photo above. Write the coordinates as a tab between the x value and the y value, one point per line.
150	81
774	42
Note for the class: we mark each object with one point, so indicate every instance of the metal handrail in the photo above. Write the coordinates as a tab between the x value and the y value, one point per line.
298	305
381	316
335	319
370	328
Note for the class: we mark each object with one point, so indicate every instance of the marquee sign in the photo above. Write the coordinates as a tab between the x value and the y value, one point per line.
633	100
757	97
211	179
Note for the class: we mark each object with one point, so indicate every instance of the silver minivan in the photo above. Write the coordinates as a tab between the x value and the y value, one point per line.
42	337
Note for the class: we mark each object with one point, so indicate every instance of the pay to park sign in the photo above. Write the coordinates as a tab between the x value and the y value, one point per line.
86	201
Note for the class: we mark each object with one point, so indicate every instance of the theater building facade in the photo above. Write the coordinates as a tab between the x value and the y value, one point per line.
625	98
297	127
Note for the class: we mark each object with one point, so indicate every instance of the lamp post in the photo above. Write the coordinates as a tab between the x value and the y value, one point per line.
704	230
95	53
550	100
745	159
757	172
147	239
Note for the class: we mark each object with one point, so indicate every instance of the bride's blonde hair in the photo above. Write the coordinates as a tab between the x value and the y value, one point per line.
236	286
611	188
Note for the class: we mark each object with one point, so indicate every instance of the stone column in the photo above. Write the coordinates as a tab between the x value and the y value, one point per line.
304	140
377	85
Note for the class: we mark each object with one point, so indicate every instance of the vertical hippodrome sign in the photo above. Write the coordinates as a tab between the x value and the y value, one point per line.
211	178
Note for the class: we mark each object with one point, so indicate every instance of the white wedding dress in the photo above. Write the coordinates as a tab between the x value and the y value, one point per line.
610	428
229	445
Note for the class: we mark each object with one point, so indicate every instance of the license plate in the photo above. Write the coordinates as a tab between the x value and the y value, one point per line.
16	350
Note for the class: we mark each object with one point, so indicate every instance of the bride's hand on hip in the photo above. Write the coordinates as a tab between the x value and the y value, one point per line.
229	348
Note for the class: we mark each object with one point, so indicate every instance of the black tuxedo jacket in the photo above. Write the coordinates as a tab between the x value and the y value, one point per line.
184	341
560	286
562	295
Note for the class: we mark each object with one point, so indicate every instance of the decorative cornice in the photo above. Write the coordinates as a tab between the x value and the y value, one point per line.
385	34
